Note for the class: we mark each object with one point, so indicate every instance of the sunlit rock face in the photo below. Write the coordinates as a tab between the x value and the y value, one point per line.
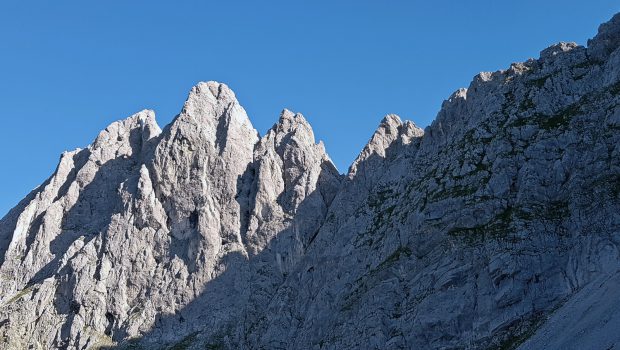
497	226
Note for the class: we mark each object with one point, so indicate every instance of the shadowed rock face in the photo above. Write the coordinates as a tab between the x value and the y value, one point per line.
502	214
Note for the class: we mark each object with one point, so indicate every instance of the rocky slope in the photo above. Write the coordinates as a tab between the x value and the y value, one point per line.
496	227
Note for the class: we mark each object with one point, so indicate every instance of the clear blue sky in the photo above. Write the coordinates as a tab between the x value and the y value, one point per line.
68	70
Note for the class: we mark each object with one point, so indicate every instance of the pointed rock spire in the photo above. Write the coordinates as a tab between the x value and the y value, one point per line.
291	171
390	130
125	137
197	167
212	113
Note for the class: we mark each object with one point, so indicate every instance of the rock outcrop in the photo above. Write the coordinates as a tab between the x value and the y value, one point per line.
496	227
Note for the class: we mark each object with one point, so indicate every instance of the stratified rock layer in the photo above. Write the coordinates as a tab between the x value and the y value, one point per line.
496	227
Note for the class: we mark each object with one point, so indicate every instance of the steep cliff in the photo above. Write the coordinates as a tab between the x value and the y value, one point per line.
496	227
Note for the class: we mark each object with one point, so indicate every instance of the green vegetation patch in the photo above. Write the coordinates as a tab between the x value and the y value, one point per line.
395	256
615	89
561	119
452	192
20	294
522	332
538	82
185	343
363	286
526	104
501	224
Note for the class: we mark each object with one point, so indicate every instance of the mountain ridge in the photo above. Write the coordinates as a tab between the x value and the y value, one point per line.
467	234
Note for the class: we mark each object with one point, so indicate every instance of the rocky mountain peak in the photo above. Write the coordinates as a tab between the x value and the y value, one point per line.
293	127
607	40
391	131
124	137
497	223
292	173
213	114
556	49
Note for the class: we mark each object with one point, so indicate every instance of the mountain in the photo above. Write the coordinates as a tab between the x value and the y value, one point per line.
496	227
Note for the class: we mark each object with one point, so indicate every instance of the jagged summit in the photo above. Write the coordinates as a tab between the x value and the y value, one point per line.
556	49
124	137
391	131
175	204
213	109
607	40
296	124
495	227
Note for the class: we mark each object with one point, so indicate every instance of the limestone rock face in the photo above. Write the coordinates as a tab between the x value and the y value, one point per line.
392	132
498	226
292	175
142	231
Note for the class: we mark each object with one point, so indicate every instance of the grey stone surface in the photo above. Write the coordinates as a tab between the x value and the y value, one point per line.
496	227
